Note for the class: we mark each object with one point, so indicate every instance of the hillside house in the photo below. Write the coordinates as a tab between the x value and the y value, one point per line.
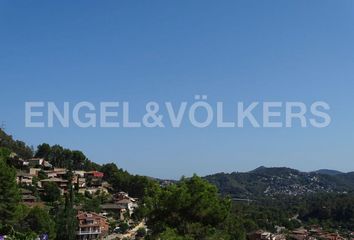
61	183
94	179
91	226
24	178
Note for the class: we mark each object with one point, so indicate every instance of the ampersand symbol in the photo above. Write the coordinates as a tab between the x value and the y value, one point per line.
152	109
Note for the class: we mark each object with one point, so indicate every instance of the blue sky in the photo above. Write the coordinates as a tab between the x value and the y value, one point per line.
171	50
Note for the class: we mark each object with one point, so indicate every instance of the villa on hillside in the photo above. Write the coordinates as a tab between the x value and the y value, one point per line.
24	178
91	226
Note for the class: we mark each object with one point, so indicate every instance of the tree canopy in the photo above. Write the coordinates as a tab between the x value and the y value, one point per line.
190	209
9	192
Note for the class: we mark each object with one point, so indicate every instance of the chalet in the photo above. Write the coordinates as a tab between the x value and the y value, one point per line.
27	196
94	178
79	183
91	226
114	210
123	196
47	165
62	183
24	178
34	171
127	204
34	162
94	174
56	173
80	173
96	189
29	199
39	162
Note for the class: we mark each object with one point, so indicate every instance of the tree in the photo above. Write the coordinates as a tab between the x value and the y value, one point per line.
9	192
78	159
42	175
192	207
66	219
121	180
171	234
109	170
43	151
56	156
51	192
18	147
40	222
92	205
65	158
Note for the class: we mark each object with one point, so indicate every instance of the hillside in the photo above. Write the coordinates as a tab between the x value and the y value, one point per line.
281	181
16	146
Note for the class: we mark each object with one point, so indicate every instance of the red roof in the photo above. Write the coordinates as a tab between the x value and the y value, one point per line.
96	174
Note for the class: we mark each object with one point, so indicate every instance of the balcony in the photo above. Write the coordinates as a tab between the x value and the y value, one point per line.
89	232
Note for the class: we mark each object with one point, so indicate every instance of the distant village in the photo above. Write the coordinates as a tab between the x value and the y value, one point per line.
37	172
315	233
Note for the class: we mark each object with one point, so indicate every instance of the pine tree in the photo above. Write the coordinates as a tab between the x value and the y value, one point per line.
66	221
9	192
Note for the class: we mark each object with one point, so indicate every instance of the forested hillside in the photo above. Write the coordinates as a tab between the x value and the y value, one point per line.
17	146
281	181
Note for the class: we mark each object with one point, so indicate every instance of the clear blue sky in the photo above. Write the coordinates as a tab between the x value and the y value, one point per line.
171	50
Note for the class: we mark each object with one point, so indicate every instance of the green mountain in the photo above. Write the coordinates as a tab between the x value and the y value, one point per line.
263	182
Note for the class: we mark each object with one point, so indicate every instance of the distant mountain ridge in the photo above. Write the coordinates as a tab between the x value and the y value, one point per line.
328	172
274	181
